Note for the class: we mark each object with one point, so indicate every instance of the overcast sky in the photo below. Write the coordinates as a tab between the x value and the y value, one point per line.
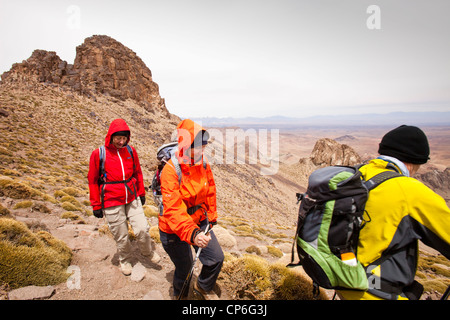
258	57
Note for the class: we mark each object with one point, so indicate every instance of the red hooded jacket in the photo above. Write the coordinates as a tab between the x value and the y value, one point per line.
118	167
197	187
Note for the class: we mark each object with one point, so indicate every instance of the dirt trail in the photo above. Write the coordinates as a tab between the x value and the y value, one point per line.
95	265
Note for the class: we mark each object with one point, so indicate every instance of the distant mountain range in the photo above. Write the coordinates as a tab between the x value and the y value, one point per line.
373	119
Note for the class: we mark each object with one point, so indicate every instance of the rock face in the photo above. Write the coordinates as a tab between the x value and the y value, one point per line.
102	66
106	66
437	179
328	152
42	66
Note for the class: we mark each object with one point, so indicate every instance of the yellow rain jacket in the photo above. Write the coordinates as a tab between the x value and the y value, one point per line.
400	212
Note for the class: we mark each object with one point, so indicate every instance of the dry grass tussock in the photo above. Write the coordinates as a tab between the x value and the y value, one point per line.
253	278
433	272
31	258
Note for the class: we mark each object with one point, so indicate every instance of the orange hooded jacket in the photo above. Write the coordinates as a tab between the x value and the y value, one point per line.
197	187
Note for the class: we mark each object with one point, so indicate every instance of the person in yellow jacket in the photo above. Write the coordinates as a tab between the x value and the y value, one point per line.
400	212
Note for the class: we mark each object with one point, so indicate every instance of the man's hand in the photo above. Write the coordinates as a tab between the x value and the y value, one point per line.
201	240
98	213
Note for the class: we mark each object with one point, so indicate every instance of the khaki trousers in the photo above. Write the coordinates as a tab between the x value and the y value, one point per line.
117	221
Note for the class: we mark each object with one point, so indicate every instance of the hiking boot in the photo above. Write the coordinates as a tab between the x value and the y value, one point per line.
211	295
126	268
153	257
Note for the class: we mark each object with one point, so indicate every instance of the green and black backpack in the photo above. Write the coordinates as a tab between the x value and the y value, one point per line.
331	215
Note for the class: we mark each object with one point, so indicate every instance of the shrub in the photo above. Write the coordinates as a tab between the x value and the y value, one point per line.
150	212
246	231
74	192
291	284
131	234
4	212
253	249
440	285
69	207
72	216
11	172
433	272
31	258
243	229
59	194
247	278
253	277
16	190
23	204
154	233
71	200
104	230
275	251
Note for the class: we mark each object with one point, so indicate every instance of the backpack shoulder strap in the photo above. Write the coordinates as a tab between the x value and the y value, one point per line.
130	151
379	179
102	154
177	167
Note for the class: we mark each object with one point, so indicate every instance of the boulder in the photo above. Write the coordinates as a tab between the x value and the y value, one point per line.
31	293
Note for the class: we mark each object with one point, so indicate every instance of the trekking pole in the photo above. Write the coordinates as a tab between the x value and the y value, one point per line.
188	278
446	294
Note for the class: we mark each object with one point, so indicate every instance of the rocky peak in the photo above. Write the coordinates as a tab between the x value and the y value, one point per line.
42	66
328	152
437	180
102	66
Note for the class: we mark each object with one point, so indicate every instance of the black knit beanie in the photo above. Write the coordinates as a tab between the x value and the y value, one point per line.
407	144
121	133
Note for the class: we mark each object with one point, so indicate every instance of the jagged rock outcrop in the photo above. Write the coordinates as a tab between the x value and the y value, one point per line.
106	66
327	152
438	181
102	66
42	66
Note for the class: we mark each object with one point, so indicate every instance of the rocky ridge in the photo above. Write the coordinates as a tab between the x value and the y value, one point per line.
102	66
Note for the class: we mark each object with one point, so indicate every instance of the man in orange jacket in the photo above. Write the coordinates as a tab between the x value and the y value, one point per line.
189	205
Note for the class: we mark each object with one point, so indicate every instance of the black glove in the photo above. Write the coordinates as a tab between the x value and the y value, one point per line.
98	213
142	199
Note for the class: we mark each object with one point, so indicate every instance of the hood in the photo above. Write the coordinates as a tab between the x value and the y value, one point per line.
116	126
187	130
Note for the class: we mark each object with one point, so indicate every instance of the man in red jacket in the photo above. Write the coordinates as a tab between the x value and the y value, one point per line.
118	192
